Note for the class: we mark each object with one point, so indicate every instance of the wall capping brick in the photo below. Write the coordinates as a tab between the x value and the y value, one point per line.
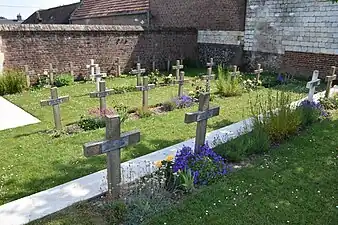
69	27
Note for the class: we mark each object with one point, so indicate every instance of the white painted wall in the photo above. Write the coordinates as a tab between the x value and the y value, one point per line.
276	26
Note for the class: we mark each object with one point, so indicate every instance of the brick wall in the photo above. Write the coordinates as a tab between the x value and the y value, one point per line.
39	45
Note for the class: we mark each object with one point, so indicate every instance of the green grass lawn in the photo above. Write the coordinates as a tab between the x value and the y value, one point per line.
296	183
32	161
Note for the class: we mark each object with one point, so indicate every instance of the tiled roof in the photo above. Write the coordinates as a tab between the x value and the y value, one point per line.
57	15
101	8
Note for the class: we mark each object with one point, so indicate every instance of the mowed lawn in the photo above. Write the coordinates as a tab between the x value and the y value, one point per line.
32	161
295	183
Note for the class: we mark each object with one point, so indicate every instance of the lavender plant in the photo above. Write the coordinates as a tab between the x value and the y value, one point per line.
183	102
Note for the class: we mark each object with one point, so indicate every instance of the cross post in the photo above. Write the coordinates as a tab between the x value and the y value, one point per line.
259	71
51	74
329	80
71	68
235	73
138	73
28	78
178	67
111	146
92	67
180	84
207	78
55	102
118	67
311	85
145	88
154	63
102	94
201	117
98	75
211	63
168	65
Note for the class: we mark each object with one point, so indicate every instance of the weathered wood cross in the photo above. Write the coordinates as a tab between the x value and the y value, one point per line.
101	94
55	101
138	73
235	73
145	88
329	80
201	117
51	74
311	85
211	63
210	76
118	67
259	71
98	76
178	67
180	83
111	146
92	66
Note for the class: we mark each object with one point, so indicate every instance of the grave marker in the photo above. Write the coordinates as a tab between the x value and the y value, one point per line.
180	83
311	85
92	67
258	72
101	94
235	73
201	117
154	63
207	78
28	78
71	68
144	88
168	65
118	67
111	146
330	79
211	63
51	74
55	102
98	75
178	67
138	73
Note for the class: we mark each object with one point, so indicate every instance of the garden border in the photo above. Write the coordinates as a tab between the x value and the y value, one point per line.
44	203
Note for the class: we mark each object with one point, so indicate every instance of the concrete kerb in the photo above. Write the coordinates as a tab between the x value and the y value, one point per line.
44	203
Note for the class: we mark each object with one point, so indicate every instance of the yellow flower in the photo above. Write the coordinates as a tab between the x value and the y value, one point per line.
158	164
170	158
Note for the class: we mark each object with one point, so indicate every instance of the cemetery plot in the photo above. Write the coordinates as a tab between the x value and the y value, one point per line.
58	160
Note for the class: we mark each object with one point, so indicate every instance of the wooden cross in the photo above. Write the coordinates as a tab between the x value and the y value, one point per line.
55	101
28	78
111	146
118	67
51	74
177	68
92	67
138	73
201	117
154	63
329	80
71	68
315	82
235	73
211	63
98	75
180	83
145	88
168	65
258	72
101	94
207	78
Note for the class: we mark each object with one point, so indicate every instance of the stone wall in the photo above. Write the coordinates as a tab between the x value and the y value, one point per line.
129	19
295	36
39	45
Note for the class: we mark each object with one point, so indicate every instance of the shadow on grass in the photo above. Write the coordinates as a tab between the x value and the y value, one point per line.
220	124
32	133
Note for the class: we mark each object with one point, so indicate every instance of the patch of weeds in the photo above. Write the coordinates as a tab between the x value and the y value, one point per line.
168	79
143	113
96	119
64	80
228	86
330	103
12	82
169	106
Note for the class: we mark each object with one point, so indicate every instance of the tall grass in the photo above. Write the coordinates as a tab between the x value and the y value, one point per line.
226	85
12	82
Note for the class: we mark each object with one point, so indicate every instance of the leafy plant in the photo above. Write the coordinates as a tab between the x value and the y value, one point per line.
64	80
251	84
330	103
12	82
122	111
115	212
198	89
276	116
168	79
154	77
228	86
123	89
143	114
187	181
311	112
95	120
169	106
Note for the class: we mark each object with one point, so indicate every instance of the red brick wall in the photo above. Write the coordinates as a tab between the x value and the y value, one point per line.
71	44
200	14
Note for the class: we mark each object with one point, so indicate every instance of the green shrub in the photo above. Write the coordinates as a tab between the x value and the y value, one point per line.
12	82
123	89
64	80
169	106
143	114
226	85
168	79
330	103
115	212
92	123
276	117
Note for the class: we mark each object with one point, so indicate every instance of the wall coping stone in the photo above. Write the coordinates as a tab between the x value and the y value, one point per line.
68	27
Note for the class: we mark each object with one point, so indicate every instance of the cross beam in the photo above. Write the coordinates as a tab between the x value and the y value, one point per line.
92	66
311	85
111	146
55	102
201	117
178	67
259	71
138	72
235	73
101	94
211	63
145	88
329	80
207	78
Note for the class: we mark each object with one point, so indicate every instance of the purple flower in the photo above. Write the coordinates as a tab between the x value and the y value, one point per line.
183	102
280	78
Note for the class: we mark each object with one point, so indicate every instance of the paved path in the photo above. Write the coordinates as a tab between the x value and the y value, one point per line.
11	116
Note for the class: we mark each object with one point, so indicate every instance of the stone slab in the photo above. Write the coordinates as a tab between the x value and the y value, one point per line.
55	199
11	116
